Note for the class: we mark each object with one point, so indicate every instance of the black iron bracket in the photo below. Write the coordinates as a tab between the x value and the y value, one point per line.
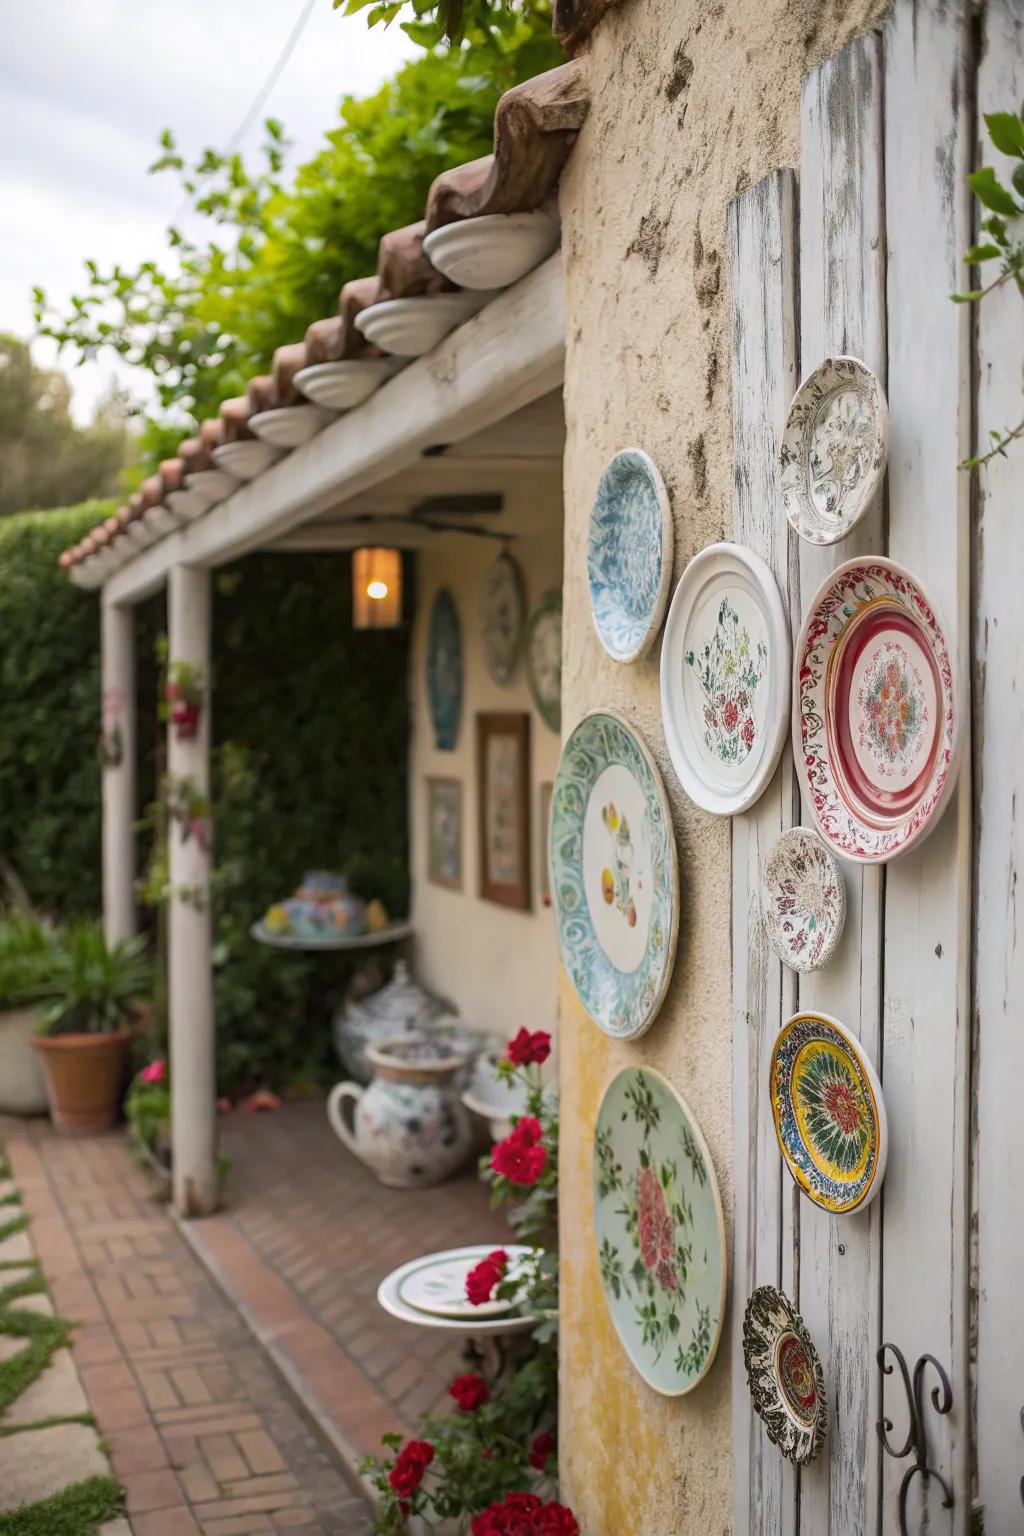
916	1443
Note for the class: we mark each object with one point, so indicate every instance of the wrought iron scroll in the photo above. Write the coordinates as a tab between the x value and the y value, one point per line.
916	1442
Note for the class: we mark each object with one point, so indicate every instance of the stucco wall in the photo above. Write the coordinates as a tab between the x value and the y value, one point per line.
691	102
497	965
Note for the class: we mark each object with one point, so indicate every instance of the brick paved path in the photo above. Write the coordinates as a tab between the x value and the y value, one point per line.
201	1431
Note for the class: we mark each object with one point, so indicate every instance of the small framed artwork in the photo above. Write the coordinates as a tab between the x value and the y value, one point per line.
444	832
544	873
503	798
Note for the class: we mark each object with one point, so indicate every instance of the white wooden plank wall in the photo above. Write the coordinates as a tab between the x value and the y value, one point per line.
762	238
999	845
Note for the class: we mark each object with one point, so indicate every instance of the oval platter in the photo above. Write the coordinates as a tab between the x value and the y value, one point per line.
543	647
787	1383
803	900
629	555
614	875
835	446
829	1113
725	665
504	615
660	1231
444	670
876	722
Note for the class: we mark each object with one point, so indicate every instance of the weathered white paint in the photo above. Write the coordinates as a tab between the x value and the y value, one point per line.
998	672
117	641
193	1084
762	239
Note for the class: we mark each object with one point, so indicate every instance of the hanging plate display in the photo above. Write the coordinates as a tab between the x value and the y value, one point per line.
725	678
803	899
786	1381
834	449
829	1113
543	648
504	613
444	670
437	1284
629	555
660	1232
875	715
614	875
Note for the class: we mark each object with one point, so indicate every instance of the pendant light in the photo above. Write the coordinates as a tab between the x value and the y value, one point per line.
376	588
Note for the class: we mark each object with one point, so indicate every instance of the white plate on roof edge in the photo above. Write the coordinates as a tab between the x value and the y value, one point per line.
803	899
493	250
214	484
186	504
835	446
437	1286
413	327
289	426
725	678
246	459
341	386
630	541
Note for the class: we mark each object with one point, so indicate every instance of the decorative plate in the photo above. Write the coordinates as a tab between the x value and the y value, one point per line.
476	1327
725	678
784	1374
629	555
437	1284
543	647
614	875
660	1231
829	1113
876	720
504	612
444	670
803	898
834	449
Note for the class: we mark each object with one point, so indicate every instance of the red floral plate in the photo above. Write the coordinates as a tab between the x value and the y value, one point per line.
876	719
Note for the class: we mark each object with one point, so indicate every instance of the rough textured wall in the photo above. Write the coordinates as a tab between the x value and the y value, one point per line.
691	102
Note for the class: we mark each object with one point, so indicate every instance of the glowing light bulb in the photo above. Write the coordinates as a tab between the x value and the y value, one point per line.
377	590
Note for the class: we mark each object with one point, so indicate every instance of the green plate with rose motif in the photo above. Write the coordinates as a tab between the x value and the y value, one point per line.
660	1231
614	875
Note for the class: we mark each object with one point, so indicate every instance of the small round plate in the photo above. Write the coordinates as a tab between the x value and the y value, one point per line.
803	900
477	1327
829	1113
629	555
784	1374
543	647
725	678
660	1231
444	670
876	720
504	615
835	445
614	875
437	1284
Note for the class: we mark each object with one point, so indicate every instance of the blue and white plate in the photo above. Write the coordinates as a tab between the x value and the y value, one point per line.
614	875
444	670
629	555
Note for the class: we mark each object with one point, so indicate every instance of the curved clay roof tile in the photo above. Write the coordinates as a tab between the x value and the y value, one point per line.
235	415
195	454
573	21
402	268
172	475
260	393
152	492
211	433
287	362
325	340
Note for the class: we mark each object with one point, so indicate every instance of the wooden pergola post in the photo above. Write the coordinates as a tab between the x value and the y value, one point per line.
117	642
190	976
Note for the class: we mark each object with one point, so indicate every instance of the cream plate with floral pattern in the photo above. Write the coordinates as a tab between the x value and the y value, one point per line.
834	449
803	899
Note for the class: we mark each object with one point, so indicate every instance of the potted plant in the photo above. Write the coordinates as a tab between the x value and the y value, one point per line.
26	958
93	992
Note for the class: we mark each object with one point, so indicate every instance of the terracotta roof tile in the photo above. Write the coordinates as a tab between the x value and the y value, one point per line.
152	492
211	433
402	268
287	362
172	475
235	416
260	393
195	454
573	21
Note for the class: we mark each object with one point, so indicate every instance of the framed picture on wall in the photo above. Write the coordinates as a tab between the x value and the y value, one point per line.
543	832
503	801
444	832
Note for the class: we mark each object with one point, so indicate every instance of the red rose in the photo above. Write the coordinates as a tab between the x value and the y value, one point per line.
555	1520
521	1158
485	1276
410	1464
527	1048
541	1449
514	1516
470	1392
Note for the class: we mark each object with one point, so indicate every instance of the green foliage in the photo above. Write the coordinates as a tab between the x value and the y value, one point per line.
93	987
147	1109
75	1511
26	959
41	1335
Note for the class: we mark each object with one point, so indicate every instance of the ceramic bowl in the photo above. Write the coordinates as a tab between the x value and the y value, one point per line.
161	520
245	460
289	426
214	484
343	386
187	504
494	250
413	327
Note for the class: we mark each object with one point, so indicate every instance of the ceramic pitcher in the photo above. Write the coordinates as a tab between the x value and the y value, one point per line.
409	1126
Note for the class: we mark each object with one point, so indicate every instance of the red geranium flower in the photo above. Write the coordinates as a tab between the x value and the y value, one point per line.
470	1392
541	1449
482	1279
156	1072
410	1464
526	1048
555	1520
521	1158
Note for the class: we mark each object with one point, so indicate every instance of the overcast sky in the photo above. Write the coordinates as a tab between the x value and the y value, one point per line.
86	87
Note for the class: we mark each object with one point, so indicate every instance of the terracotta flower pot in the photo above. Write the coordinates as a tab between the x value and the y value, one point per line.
84	1074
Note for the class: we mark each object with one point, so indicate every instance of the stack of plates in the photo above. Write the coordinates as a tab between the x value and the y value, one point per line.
431	1291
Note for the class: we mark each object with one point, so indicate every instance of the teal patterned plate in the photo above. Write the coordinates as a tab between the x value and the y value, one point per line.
629	555
660	1231
614	875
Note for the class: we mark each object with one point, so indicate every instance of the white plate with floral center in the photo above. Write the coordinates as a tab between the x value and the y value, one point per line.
876	719
784	1374
725	678
803	899
835	446
660	1232
437	1283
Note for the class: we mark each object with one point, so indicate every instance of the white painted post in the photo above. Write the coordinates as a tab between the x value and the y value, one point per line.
193	1084
117	641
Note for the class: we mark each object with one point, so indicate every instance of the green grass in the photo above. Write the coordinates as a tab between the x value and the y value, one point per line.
75	1511
7	1430
42	1336
16	1224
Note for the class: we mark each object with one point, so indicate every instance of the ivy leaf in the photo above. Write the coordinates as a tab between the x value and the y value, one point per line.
988	189
1006	130
979	253
1018	180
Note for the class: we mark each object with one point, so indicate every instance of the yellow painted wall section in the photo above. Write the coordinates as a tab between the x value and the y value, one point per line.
690	103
